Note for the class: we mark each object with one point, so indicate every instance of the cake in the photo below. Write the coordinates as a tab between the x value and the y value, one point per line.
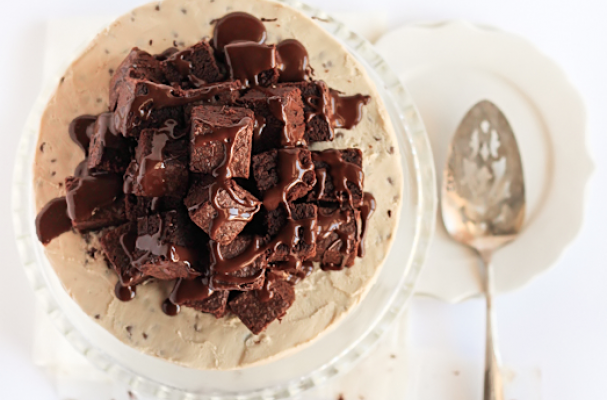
220	199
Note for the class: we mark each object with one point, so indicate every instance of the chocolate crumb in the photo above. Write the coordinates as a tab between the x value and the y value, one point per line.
60	184
376	138
42	147
53	160
391	150
268	19
97	316
174	43
183	10
92	252
129	329
157	8
389	214
53	173
390	181
151	41
341	396
145	335
111	71
62	79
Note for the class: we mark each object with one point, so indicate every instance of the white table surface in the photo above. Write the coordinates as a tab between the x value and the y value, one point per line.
554	329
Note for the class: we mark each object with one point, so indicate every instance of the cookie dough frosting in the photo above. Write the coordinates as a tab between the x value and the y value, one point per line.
191	338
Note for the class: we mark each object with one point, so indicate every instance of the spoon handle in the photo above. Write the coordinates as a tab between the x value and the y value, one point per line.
493	386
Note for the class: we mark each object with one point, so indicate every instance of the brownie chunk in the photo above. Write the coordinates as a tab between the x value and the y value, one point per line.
108	149
95	202
137	207
160	167
284	170
279	117
338	237
253	64
195	293
168	246
339	177
114	243
221	208
142	104
192	66
247	266
291	236
316	99
221	137
257	310
137	65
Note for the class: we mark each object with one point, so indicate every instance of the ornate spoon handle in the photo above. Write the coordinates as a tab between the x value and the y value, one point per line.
493	386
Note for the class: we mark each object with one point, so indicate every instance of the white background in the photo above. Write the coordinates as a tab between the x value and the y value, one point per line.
556	325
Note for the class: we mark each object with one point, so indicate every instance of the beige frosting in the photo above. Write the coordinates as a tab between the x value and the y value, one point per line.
194	339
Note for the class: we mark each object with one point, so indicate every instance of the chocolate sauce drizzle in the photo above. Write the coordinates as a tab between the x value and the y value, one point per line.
291	171
347	110
294	62
366	211
223	174
341	173
158	96
91	194
105	129
81	131
246	60
52	220
238	26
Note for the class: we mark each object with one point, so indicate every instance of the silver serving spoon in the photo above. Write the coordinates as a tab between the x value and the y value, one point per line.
483	204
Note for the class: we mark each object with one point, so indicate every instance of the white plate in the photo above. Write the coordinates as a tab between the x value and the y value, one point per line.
448	67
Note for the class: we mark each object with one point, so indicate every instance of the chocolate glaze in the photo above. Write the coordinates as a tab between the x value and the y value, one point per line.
246	60
258	127
291	171
153	245
366	211
290	235
238	26
52	220
223	174
341	171
294	62
105	128
160	96
92	193
166	54
152	171
347	110
81	131
190	290
82	169
279	107
124	293
169	308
